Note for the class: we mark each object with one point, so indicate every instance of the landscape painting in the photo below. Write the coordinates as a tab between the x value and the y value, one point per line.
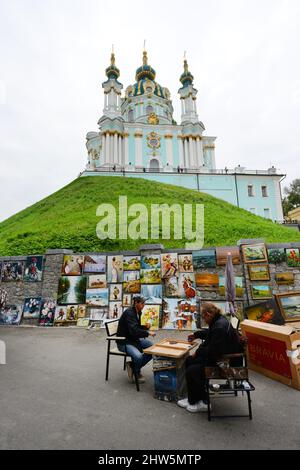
289	304
169	265
207	281
261	291
97	281
150	276
10	315
33	269
32	307
150	316
276	255
239	286
256	253
94	264
204	259
293	257
150	262
131	284
285	278
152	293
259	272
12	271
47	312
97	297
72	265
115	268
179	314
222	253
131	263
71	290
185	263
171	288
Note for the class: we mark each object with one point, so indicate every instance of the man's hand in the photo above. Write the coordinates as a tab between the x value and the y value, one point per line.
191	337
151	333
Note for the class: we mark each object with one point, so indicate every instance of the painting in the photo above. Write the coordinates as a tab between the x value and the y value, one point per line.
115	268
94	264
222	253
185	263
97	297
115	310
289	305
276	255
71	290
150	276
207	281
150	316
97	281
82	315
33	269
259	272
115	292
72	265
179	314
169	265
65	315
32	307
10	315
150	262
261	291
286	278
131	284
186	285
293	257
266	312
239	286
131	263
152	293
98	316
126	302
256	253
12	271
47	312
204	259
171	288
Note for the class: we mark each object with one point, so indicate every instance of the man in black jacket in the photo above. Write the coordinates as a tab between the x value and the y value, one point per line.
135	334
220	338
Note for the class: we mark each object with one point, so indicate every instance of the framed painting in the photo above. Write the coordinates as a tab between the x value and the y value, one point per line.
289	305
186	285
285	278
179	314
126	302
266	312
33	269
94	264
72	265
98	316
32	307
261	291
150	262
12	271
259	272
255	253
115	292
224	310
204	259
115	310
222	253
151	276
293	257
169	265
83	316
185	263
239	286
131	263
71	290
150	316
97	281
276	255
132	283
47	312
115	268
207	281
97	297
152	293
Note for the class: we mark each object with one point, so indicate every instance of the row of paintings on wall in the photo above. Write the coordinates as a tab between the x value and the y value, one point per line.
258	253
30	270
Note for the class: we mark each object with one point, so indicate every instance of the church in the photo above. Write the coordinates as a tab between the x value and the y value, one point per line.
138	137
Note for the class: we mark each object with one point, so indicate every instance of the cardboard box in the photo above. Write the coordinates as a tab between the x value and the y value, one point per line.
274	350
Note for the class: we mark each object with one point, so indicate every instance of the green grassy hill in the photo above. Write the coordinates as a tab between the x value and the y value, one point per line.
67	218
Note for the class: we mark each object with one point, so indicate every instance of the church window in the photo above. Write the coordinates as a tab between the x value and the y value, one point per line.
130	115
250	190
264	191
149	109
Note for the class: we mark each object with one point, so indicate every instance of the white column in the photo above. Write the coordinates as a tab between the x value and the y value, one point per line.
169	151
138	151
192	153
182	106
181	157
126	150
120	157
115	157
107	156
103	148
186	154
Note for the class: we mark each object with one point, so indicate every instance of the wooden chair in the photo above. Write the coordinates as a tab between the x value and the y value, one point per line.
232	372
111	331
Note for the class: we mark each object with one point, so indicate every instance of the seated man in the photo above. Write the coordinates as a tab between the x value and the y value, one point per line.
220	338
135	334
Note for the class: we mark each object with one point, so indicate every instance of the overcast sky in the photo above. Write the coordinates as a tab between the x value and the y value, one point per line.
244	56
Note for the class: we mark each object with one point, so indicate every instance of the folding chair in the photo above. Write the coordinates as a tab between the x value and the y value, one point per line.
111	331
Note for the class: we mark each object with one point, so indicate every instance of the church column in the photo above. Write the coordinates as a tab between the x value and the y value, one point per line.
107	156
120	157
169	149
103	148
181	157
115	157
200	160
186	153
192	152
126	149
182	107
138	149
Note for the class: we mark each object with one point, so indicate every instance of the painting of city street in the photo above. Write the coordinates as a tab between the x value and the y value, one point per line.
179	314
71	290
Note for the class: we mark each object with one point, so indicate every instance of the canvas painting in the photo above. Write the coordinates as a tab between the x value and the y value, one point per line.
97	297
33	269
115	268
152	293
131	263
12	271
115	292
289	304
131	284
286	278
179	314
293	257
259	272
94	264
186	285
83	322
204	259
72	265
261	291
115	310
99	315
169	265
276	255
47	313
71	290
97	281
207	281
150	276
171	288
10	315
65	315
82	311
150	316
127	300
222	253
150	262
239	286
266	312
185	263
256	253
32	307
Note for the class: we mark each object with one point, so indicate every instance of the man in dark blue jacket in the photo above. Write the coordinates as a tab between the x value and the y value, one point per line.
220	338
130	327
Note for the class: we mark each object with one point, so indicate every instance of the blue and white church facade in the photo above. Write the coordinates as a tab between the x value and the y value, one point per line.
138	137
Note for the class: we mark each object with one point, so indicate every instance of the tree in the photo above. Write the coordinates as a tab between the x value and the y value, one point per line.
292	198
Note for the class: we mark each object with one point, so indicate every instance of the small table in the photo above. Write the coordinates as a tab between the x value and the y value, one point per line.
168	368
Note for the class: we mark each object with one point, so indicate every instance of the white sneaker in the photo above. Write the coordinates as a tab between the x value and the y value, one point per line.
197	407
184	403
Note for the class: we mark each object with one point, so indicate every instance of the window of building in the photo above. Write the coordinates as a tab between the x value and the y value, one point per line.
250	190
264	191
130	115
267	214
149	109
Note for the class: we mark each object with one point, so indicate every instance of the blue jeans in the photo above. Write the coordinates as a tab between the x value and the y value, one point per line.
139	359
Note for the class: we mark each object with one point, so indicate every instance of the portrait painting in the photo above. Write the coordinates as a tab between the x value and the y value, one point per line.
171	288
115	310
33	269
255	253
179	314
115	292
97	281
126	302
185	263
47	312
204	259
222	253
289	305
150	316
152	293
71	290
115	268
261	291
131	263
94	264
97	297
12	271
258	272
169	265
72	265
32	307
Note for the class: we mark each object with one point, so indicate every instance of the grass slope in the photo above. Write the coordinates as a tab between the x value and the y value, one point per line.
67	218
